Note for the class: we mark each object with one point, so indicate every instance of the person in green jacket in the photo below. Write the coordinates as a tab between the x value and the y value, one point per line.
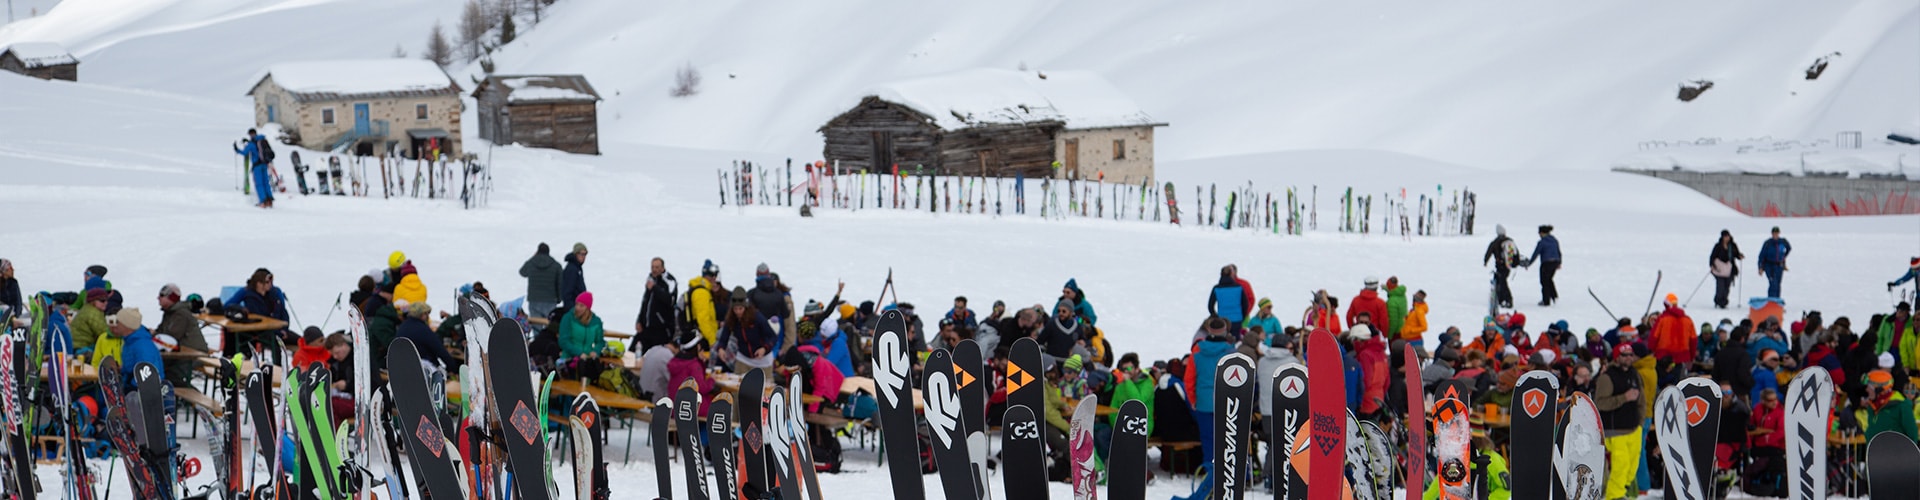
90	324
1396	306
1056	411
1887	409
383	323
1497	488
1130	383
580	333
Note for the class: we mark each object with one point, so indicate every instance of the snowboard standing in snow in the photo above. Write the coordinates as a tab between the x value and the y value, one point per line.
1379	460
1328	403
1670	412
1290	414
514	402
897	426
1173	205
1358	461
1535	406
1416	465
1701	397
657	430
1893	467
950	450
1580	460
1080	446
1809	399
427	445
720	445
686	417
1024	466
1127	463
1233	407
753	444
1451	444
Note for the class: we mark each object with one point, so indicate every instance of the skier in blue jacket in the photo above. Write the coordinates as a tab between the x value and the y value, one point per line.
1547	253
257	162
1913	271
1228	301
1773	261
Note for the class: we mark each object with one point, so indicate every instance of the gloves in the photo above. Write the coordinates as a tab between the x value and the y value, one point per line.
1889	286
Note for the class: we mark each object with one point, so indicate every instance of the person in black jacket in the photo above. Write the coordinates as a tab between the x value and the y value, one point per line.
543	282
573	279
1502	253
10	290
1617	393
654	326
1724	264
1734	364
415	328
1057	338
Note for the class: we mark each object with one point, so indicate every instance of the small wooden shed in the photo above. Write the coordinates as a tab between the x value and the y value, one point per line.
542	111
43	60
998	123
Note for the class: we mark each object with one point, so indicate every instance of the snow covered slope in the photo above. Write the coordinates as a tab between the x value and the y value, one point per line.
1503	84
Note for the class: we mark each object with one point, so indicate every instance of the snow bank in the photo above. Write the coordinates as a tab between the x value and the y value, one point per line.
540	88
986	96
363	76
40	54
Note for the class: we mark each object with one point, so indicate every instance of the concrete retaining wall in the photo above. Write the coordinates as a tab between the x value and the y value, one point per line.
1789	196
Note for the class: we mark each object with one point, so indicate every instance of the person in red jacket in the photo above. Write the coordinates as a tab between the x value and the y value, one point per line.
1768	436
1245	288
312	349
1368	301
1324	313
1371	351
1674	338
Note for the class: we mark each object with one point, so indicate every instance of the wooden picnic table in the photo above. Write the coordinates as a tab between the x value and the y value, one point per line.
854	384
1099	410
184	354
730	384
261	323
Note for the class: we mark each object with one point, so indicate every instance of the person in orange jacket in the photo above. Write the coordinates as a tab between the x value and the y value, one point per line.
1414	328
1674	338
1489	343
1324	313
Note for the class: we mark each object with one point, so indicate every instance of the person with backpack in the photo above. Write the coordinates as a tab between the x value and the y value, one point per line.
1504	256
259	156
705	298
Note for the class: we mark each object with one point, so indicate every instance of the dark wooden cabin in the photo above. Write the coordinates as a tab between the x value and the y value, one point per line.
877	134
542	111
46	61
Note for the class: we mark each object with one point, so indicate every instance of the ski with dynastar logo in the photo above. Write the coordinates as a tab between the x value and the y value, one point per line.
948	434
1290	414
1809	398
1535	407
1701	397
897	422
1327	400
1670	425
1580	457
1233	407
1127	465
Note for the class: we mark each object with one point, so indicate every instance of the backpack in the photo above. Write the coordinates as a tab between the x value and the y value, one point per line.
1510	253
859	406
266	149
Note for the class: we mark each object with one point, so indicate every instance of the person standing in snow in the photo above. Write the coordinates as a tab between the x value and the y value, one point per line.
573	279
1228	301
259	156
1547	253
1773	261
1367	302
1502	254
543	282
1913	271
655	324
1724	263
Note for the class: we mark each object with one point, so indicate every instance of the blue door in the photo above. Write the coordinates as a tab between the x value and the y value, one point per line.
361	126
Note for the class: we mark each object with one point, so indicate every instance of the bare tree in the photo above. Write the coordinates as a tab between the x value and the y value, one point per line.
438	50
474	24
686	81
399	52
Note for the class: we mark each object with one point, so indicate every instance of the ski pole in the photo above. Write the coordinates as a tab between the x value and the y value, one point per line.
1696	289
336	307
1603	304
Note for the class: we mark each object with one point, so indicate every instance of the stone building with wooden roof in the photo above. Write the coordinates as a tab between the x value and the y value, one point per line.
998	123
542	111
408	106
43	60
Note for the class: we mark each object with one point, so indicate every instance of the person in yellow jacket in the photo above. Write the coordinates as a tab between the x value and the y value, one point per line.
701	299
1414	328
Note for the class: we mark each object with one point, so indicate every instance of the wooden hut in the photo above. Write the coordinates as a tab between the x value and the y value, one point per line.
997	123
543	111
43	60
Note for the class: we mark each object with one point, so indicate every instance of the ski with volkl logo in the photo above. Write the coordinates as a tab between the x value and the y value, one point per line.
1535	408
1670	415
1809	398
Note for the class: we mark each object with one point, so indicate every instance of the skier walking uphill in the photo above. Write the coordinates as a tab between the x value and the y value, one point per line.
1913	271
1503	255
259	155
1367	301
1773	261
1228	301
543	282
1724	264
654	326
573	279
1547	253
1617	395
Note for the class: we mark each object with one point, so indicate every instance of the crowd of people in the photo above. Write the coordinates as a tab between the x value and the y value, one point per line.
694	332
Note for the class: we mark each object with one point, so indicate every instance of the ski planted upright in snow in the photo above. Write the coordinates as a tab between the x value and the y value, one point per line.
1328	409
1701	397
950	450
427	444
1233	406
1535	406
720	445
897	426
1580	459
1670	415
514	402
686	417
1416	451
1023	472
753	444
1082	469
1809	400
1290	415
1127	464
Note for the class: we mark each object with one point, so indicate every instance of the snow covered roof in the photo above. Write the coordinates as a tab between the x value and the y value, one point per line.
1080	99
531	89
40	54
324	80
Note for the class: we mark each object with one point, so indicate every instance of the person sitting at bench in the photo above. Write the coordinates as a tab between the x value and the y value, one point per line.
137	343
262	298
311	350
340	364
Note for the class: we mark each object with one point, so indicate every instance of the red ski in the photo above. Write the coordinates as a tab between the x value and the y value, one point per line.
1416	425
1327	402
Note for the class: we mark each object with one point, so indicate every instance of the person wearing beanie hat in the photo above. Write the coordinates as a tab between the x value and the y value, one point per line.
1370	352
413	326
1546	252
581	333
762	270
89	324
1264	319
136	343
311	348
1368	301
543	282
1766	374
1675	337
1082	309
1063	331
573	278
1502	253
746	339
706	301
1723	263
1913	271
1887	409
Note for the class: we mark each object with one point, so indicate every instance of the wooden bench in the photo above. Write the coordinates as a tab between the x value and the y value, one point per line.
193	397
1173	446
612	403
